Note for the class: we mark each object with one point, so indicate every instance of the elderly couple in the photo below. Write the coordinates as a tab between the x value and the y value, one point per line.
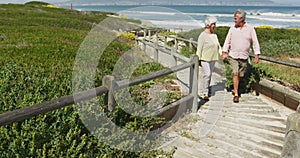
236	48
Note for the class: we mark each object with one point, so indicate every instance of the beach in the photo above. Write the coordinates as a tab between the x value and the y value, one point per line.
192	17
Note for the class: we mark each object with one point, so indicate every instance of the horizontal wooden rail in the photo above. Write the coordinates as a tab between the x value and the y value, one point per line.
164	49
130	82
279	93
182	39
178	38
277	61
31	111
169	111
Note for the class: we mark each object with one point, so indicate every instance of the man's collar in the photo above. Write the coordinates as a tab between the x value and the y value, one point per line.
237	26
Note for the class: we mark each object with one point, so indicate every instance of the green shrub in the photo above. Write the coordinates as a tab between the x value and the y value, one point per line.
36	3
38	49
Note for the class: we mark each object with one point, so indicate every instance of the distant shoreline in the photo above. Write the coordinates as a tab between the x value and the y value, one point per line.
229	5
190	17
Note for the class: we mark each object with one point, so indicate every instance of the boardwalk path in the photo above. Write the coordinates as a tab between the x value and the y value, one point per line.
255	127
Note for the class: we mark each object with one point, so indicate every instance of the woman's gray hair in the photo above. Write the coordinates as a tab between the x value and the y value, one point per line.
240	13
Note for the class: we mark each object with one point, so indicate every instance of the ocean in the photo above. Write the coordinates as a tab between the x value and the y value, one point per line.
192	17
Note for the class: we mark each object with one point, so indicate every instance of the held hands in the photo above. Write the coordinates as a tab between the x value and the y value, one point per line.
256	59
224	55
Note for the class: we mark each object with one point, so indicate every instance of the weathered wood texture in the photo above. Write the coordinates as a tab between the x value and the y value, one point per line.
31	111
277	92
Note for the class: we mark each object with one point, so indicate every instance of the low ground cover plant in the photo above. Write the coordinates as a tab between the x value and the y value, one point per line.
38	48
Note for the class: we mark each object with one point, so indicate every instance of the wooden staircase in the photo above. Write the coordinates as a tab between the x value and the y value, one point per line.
255	127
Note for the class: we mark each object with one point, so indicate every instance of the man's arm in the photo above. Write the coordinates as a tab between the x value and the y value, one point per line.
256	46
226	45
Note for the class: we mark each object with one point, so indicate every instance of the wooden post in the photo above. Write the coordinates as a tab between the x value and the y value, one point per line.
176	42
144	46
191	45
174	62
194	82
145	33
136	39
166	40
109	82
156	48
149	34
291	142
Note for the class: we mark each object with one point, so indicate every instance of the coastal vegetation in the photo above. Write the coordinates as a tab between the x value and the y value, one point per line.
39	43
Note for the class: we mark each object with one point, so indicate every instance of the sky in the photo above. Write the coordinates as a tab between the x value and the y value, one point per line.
286	2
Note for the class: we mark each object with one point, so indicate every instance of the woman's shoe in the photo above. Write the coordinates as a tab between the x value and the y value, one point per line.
205	97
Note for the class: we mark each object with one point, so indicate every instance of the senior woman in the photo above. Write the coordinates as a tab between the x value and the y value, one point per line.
208	51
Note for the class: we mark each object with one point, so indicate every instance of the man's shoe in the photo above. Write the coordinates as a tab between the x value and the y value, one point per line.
236	99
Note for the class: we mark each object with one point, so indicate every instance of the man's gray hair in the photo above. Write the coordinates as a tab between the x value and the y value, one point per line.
240	13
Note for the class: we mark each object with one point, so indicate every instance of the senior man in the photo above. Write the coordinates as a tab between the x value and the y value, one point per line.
237	47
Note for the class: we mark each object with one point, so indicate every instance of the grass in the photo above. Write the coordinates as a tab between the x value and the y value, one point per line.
187	135
38	47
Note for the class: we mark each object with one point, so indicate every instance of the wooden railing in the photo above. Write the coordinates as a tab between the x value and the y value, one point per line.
31	111
110	85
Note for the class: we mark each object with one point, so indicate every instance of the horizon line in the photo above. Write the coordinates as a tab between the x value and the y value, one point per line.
88	4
